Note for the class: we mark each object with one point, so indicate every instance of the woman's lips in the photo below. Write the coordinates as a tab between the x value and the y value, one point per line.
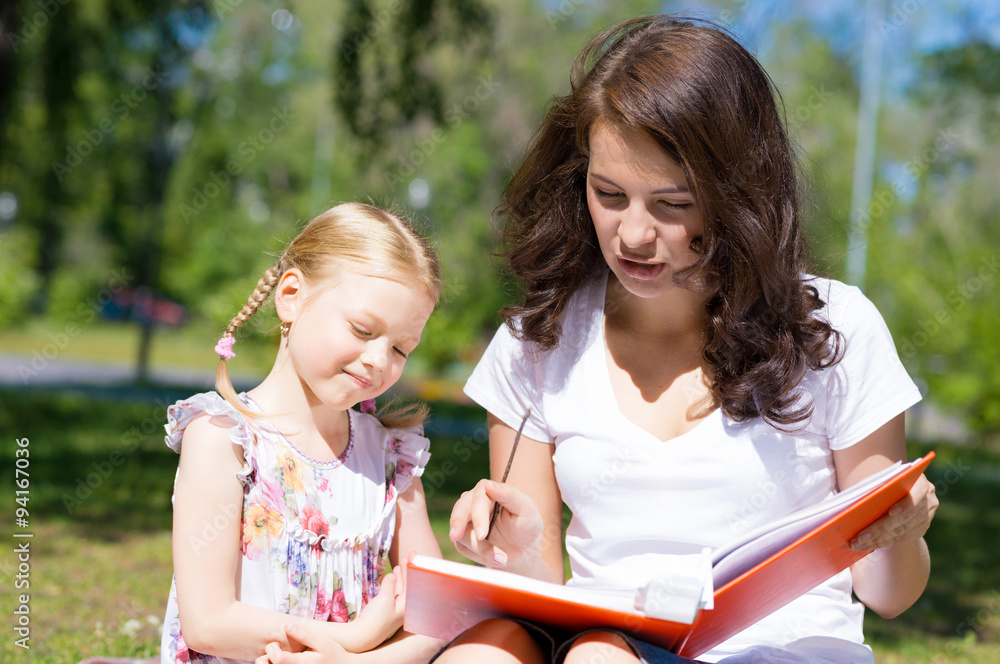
642	271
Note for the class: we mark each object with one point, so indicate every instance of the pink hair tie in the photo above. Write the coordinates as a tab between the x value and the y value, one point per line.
368	406
224	348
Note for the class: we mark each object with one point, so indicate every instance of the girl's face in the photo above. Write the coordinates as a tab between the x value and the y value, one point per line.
349	342
643	210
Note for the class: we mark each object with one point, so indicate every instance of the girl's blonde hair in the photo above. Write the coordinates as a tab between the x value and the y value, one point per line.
350	233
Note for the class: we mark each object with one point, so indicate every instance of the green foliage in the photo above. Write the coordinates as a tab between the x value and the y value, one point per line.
17	255
934	260
183	145
383	56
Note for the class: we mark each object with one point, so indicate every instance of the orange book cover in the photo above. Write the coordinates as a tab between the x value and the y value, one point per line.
443	598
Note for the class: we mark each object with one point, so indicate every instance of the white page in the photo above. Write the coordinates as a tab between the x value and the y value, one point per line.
618	599
756	546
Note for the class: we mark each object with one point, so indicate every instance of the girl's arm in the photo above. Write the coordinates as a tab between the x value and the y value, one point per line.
401	649
208	506
413	526
892	578
413	535
527	537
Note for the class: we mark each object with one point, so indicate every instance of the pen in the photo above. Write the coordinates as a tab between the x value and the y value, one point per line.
510	460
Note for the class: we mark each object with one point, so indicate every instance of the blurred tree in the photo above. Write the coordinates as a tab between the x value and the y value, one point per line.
948	324
8	19
171	34
170	146
486	73
381	64
60	72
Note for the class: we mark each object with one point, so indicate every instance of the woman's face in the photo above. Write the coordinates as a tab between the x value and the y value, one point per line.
643	209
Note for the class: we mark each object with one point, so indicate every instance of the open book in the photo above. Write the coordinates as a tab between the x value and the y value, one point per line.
749	579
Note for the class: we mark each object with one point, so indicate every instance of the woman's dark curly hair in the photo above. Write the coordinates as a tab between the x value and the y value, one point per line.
709	104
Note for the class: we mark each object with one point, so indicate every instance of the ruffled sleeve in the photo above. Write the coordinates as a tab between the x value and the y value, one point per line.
182	413
408	452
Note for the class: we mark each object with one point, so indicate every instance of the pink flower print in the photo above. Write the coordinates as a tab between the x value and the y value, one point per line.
339	611
404	467
324	605
273	494
314	521
182	654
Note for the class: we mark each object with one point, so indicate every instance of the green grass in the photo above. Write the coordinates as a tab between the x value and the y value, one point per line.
99	508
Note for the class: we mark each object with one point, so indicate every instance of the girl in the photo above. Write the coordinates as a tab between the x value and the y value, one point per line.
288	503
674	357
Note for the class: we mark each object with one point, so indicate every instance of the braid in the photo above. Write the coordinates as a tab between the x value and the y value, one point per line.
223	384
263	290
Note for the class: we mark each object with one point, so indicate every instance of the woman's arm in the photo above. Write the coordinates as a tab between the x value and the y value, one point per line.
527	537
892	578
208	506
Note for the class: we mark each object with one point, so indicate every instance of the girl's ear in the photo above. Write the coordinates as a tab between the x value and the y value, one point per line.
289	295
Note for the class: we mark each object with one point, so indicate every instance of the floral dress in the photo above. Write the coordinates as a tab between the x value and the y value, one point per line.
314	536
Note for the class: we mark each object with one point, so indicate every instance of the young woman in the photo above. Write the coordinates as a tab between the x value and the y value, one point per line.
677	357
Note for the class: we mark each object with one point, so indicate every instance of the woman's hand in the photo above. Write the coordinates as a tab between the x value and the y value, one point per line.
906	521
318	649
892	578
516	536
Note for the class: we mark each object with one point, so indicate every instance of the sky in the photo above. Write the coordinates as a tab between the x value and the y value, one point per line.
919	25
909	28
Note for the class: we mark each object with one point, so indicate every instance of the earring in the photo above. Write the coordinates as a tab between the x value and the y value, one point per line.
285	327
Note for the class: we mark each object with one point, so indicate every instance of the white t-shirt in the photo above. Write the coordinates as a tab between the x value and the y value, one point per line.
706	486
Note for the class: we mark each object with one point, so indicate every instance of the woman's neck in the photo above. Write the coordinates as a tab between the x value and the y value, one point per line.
678	315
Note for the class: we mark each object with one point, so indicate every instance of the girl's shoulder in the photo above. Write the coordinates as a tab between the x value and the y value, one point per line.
213	410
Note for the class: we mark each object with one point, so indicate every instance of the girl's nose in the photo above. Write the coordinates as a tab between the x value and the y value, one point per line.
376	354
637	227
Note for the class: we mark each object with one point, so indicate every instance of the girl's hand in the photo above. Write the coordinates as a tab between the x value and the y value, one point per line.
383	615
319	649
906	521
516	535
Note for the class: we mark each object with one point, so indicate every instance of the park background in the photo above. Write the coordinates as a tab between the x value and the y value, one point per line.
152	152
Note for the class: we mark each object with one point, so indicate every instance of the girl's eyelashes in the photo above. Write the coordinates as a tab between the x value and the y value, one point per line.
606	194
365	334
677	206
